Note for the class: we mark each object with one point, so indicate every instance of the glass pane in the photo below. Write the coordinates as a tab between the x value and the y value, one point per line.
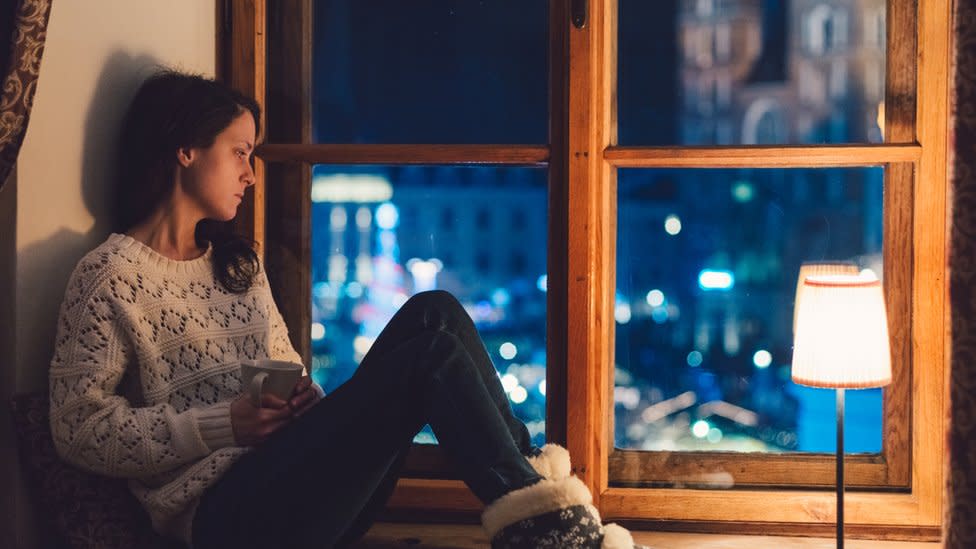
383	233
430	71
731	72
707	265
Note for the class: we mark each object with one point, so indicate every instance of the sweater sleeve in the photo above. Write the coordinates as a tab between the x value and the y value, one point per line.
97	429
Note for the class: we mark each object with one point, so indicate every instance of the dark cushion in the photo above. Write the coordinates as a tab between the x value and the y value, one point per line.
88	510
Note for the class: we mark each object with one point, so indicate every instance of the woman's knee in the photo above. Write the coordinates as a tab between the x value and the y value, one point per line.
437	306
434	298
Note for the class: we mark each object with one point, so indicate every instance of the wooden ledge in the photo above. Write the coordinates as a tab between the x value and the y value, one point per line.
385	535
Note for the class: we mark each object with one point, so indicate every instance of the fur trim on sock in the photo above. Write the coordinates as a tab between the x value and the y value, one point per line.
552	463
616	537
541	497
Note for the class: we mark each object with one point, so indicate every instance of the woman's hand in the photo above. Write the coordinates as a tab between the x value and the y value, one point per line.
251	425
303	396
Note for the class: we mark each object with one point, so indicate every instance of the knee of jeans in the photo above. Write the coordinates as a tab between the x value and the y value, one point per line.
438	307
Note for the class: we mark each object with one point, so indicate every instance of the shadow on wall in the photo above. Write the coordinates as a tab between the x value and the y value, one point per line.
44	267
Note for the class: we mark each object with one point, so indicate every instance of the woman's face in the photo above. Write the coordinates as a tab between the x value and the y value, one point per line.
214	178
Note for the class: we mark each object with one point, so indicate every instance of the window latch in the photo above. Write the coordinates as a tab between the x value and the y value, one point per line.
579	8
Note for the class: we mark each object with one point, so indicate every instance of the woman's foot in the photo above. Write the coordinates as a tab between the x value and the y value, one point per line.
551	513
551	461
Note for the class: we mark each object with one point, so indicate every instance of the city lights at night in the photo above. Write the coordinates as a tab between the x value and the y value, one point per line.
706	258
716	280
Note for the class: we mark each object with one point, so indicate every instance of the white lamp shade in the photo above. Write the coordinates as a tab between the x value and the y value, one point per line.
818	268
842	333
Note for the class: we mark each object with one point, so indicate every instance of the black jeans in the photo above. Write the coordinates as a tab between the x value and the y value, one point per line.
321	480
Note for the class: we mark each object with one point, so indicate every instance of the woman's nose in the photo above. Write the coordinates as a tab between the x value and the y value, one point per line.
249	176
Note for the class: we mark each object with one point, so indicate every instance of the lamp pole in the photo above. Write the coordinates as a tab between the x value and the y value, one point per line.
840	468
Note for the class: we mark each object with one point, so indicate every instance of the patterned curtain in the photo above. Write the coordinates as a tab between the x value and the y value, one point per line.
960	529
23	27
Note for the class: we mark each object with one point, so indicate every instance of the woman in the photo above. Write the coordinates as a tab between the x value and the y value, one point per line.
145	380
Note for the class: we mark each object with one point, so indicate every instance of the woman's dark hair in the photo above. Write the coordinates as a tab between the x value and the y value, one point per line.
173	110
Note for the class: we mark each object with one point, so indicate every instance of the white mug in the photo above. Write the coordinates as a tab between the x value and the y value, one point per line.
277	377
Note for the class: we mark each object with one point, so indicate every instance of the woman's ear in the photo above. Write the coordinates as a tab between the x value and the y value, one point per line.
185	156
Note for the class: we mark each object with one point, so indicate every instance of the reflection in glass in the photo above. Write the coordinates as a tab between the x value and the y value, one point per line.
383	233
737	72
707	264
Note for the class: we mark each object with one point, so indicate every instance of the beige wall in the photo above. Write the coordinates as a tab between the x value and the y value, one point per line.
53	209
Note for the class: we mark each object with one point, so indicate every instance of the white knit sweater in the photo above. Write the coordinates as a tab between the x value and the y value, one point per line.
146	364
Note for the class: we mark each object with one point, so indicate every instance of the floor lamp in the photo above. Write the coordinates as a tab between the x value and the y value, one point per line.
841	342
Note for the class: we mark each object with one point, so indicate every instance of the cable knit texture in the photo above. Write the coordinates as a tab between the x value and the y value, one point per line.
146	364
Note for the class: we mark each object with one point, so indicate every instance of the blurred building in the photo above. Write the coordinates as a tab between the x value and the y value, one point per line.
781	71
749	72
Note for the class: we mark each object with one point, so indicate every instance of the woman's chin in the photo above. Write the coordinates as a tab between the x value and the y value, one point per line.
228	213
224	216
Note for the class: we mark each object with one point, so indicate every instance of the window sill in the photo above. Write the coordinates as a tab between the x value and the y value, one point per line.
464	536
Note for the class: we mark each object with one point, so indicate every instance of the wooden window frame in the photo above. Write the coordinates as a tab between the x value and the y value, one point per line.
900	490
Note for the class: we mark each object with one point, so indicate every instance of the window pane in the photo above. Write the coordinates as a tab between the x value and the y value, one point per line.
430	71
383	233
730	72
707	265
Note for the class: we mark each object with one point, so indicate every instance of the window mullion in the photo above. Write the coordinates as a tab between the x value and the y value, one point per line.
929	261
287	238
243	45
557	255
591	260
414	154
762	156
